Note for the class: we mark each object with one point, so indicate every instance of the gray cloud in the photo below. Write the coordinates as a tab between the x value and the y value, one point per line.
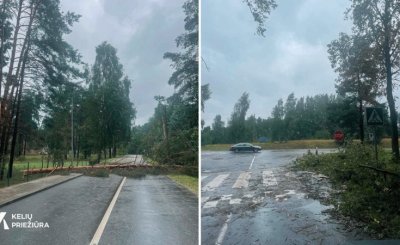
142	31
291	58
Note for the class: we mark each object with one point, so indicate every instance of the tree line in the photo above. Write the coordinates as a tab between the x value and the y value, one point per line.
50	99
53	102
311	117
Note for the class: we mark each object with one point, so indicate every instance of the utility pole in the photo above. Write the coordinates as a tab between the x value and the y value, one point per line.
72	128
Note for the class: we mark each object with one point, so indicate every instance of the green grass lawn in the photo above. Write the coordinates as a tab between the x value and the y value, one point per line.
34	161
191	183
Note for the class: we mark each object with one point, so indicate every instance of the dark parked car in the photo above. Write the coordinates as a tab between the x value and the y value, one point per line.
245	147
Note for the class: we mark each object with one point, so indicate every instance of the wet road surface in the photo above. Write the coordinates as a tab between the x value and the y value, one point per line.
150	210
253	198
153	210
72	210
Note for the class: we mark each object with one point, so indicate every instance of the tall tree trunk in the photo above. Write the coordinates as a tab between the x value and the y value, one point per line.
6	133
5	117
20	145
3	10
24	146
361	121
25	55
15	131
389	83
9	78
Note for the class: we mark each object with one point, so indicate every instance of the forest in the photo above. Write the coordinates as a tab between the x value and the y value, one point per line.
56	105
311	117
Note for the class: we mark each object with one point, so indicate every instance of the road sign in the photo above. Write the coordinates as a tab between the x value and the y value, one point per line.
338	135
374	116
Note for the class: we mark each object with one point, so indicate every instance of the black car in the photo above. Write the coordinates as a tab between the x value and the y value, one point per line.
245	147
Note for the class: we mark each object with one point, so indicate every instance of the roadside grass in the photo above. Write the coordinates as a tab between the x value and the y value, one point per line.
190	182
34	161
179	176
362	193
187	176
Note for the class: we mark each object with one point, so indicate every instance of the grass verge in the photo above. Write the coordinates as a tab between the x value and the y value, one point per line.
190	182
362	193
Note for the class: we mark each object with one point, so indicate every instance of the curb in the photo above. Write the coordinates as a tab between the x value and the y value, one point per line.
37	191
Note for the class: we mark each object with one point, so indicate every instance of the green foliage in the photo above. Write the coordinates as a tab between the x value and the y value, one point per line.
365	194
260	9
171	135
316	117
377	22
238	117
108	109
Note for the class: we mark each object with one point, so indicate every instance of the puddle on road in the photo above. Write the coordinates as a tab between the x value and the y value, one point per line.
317	209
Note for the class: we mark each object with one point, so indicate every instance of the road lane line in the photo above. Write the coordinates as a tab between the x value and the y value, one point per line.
210	204
235	201
223	231
269	178
242	181
204	199
204	176
251	165
213	184
103	223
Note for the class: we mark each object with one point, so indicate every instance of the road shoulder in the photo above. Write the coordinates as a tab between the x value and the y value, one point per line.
16	192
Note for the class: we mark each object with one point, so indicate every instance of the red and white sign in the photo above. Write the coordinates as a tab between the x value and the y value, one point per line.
338	135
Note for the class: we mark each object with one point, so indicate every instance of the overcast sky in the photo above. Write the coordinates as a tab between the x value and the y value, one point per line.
142	31
291	58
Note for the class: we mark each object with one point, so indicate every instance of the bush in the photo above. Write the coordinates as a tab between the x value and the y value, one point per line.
367	195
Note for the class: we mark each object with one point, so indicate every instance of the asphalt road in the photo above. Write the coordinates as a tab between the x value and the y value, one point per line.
252	198
151	210
72	210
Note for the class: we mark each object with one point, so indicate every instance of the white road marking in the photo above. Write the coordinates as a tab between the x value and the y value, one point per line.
251	165
235	201
269	178
223	231
242	181
203	177
204	199
258	200
284	195
213	184
226	197
103	223
210	204
248	196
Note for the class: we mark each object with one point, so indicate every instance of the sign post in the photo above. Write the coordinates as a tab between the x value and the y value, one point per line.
374	118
